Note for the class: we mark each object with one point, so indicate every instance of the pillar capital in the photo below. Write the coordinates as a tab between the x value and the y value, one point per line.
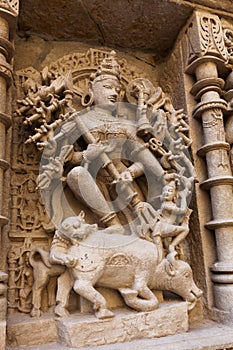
10	7
205	37
9	10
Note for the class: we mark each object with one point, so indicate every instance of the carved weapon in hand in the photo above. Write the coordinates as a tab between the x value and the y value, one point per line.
141	90
143	125
146	214
54	169
46	129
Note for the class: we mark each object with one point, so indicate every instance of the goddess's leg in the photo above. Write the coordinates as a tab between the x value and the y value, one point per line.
84	187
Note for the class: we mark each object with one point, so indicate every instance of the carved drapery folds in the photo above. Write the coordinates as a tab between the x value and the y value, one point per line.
209	60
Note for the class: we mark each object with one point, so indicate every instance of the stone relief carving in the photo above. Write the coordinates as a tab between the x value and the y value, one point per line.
212	71
228	41
216	41
113	145
20	278
228	88
134	268
210	37
10	5
29	213
229	119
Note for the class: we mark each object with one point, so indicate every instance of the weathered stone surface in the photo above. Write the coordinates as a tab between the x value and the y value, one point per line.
205	336
2	308
79	331
23	330
147	25
2	335
150	26
224	5
37	52
125	326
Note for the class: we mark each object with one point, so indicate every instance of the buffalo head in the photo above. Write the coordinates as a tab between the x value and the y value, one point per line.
181	280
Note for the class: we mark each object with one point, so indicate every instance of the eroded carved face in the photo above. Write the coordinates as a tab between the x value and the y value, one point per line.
106	91
75	228
169	193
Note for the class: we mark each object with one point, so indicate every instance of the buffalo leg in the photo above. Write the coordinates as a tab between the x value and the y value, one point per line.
86	290
52	292
64	287
130	296
38	286
139	297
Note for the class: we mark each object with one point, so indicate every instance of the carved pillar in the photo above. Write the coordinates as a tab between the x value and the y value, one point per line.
207	62
8	17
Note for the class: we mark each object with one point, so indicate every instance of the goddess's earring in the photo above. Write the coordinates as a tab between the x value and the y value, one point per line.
87	99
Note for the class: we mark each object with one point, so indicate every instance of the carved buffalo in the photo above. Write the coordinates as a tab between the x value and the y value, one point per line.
128	264
133	268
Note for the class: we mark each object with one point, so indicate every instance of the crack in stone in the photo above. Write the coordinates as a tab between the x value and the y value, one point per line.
103	41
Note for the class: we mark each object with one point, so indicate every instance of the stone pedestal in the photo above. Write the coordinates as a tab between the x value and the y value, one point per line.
80	330
23	330
127	325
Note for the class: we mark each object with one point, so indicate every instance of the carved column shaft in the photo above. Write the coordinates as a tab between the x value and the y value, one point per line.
8	16
6	51
219	180
208	59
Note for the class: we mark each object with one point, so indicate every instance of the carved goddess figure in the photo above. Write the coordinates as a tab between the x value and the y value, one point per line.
113	160
109	156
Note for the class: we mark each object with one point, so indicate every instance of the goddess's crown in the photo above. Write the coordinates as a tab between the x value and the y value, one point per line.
109	67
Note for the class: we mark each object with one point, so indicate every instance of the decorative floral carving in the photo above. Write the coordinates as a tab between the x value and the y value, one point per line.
208	29
28	213
228	39
212	36
10	5
20	277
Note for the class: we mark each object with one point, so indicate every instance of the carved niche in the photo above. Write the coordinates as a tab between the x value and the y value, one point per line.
114	173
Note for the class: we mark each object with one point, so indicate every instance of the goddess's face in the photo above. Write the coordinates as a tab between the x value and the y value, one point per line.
106	91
